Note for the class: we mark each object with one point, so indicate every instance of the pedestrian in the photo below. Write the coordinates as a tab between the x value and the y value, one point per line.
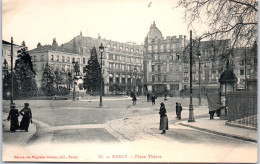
211	114
177	106
13	115
148	96
165	97
153	99
179	111
27	117
134	99
163	119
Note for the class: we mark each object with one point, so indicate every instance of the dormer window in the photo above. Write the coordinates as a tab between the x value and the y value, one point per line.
115	46
108	45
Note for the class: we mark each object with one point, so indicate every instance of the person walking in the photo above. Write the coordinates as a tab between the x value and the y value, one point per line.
13	115
163	119
211	114
134	99
27	117
148	96
179	111
177	106
153	99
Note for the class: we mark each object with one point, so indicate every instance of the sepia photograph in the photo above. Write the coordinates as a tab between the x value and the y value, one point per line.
169	81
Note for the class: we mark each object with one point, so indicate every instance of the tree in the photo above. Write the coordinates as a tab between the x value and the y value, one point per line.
47	81
58	79
236	20
92	78
24	74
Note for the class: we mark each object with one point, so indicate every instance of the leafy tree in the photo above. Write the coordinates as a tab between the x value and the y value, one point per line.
24	74
58	79
47	82
236	20
92	78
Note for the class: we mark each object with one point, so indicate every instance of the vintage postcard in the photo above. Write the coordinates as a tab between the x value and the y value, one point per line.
171	81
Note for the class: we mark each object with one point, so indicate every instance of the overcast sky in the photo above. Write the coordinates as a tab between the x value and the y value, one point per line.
37	21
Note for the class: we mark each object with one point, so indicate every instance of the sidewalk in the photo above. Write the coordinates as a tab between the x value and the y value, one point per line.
217	126
19	137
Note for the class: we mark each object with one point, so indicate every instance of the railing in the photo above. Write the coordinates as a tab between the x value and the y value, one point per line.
242	108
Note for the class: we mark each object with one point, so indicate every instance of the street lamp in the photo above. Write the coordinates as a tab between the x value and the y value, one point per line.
101	50
191	115
199	55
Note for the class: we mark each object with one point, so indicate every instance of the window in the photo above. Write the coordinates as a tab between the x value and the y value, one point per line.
110	56
123	80
84	60
241	72
42	57
177	56
171	67
165	78
159	68
58	58
73	60
120	47
108	45
117	79
63	58
52	58
68	68
153	79
132	50
185	65
185	75
110	80
127	49
129	59
123	58
241	62
111	65
78	60
35	58
152	68
63	67
159	78
103	62
117	57
115	46
177	67
68	59
133	60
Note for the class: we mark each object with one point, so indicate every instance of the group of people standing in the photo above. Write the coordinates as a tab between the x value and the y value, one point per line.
151	97
14	114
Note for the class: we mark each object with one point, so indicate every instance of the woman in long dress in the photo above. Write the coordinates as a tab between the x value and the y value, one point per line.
13	115
27	117
163	119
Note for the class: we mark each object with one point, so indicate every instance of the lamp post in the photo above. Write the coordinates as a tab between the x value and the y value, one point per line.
101	50
191	115
199	55
12	74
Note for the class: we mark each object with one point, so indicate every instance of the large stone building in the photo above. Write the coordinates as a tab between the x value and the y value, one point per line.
163	66
122	62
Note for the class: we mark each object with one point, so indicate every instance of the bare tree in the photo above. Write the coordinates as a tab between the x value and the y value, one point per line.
226	19
235	20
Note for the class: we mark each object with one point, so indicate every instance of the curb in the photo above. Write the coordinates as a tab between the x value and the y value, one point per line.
240	126
222	134
23	142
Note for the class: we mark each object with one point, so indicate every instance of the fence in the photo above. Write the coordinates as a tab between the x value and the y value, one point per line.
242	107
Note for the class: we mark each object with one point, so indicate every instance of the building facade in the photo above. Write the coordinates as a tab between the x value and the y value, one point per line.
6	53
122	63
163	67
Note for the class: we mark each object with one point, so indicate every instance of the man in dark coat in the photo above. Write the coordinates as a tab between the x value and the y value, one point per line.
177	106
179	111
27	117
148	96
13	115
163	119
153	99
134	100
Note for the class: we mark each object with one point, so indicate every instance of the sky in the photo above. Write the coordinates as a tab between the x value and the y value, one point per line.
35	21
